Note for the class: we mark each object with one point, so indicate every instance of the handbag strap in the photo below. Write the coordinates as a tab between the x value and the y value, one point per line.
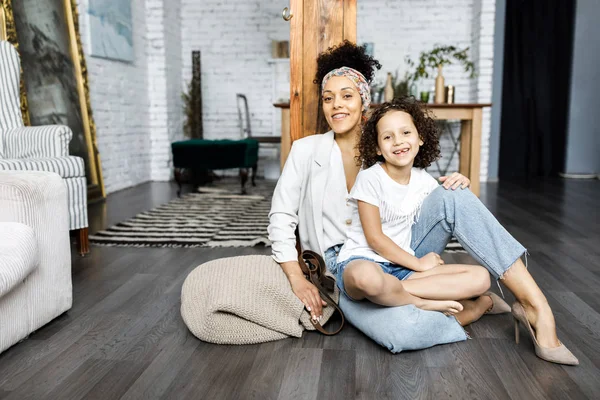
303	265
315	265
331	303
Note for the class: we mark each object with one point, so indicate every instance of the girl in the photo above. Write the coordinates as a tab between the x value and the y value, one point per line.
376	261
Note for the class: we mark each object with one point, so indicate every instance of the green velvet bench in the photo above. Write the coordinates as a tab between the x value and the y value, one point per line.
197	155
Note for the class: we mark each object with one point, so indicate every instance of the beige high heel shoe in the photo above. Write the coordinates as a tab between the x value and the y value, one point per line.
558	355
499	306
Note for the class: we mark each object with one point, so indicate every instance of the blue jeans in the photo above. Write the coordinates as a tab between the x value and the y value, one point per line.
444	213
397	328
460	213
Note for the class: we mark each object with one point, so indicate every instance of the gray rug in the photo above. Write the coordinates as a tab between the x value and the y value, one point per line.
216	216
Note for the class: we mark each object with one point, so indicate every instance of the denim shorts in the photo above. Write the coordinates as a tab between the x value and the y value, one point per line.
389	268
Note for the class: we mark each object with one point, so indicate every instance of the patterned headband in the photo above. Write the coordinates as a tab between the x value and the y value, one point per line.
358	79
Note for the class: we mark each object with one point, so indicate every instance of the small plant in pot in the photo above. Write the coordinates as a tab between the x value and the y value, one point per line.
192	126
436	58
401	85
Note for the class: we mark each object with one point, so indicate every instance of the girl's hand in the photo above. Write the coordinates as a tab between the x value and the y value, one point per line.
455	181
429	261
308	294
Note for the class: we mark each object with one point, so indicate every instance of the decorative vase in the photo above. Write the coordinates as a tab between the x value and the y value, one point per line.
425	97
388	92
440	89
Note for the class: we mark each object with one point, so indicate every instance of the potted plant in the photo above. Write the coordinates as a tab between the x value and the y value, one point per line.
436	58
192	127
401	85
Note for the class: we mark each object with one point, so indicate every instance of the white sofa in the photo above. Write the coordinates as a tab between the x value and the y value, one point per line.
35	253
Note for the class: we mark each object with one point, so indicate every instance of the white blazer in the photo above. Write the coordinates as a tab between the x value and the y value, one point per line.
298	198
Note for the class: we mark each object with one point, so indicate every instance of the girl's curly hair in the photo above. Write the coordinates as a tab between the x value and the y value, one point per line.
426	127
346	54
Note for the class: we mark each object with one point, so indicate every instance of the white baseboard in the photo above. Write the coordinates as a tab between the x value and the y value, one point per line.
578	176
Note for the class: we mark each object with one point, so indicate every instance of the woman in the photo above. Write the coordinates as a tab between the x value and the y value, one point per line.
310	195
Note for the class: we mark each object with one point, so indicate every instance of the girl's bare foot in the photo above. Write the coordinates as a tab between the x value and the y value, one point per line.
485	301
448	307
473	310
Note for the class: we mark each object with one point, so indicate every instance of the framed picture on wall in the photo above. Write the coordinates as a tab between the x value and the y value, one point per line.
111	29
55	88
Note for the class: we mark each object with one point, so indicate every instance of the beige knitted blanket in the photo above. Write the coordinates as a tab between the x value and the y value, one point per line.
243	300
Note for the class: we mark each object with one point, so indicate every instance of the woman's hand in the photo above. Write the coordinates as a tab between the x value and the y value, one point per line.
455	181
429	261
308	294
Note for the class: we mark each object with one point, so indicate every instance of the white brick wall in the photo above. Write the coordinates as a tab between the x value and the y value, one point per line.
234	38
120	105
164	77
174	90
137	106
483	57
400	28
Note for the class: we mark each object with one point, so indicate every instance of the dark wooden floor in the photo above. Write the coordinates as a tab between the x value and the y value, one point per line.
124	337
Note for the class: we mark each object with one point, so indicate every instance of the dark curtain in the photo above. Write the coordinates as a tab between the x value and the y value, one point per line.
535	89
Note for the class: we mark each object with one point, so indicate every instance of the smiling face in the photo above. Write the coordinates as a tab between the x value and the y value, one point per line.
342	105
398	140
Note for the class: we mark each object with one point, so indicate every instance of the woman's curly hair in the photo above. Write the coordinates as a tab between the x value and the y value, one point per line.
346	54
426	127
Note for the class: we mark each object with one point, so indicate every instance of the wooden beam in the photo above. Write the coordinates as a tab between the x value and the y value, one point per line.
316	26
310	52
350	20
296	49
286	139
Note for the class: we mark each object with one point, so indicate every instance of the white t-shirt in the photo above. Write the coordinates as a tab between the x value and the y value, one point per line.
399	207
336	210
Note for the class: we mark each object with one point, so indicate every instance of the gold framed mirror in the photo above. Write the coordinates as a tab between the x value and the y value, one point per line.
54	84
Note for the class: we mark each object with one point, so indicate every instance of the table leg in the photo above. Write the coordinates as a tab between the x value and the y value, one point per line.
475	162
244	179
83	242
179	180
465	147
470	147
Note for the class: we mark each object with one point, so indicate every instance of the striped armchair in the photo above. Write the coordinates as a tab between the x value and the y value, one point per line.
39	148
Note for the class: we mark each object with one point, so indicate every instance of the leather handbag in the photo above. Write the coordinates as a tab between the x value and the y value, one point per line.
313	266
